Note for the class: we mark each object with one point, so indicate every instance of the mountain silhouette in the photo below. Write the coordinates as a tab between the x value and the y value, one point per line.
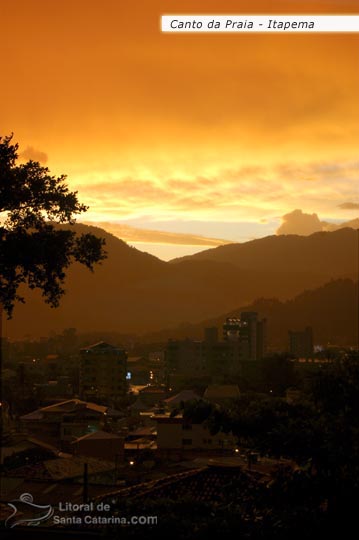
133	291
331	310
334	251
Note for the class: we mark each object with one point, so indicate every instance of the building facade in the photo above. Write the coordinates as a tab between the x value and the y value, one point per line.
301	343
103	370
243	340
63	422
249	333
174	433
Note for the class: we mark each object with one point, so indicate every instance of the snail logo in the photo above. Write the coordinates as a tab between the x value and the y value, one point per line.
26	512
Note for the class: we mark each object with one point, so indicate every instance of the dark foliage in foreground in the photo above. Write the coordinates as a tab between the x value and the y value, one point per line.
32	250
314	496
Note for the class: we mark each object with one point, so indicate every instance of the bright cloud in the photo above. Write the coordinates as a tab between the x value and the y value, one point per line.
136	235
252	193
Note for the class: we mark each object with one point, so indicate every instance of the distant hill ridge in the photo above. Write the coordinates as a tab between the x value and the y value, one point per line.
136	292
331	310
301	253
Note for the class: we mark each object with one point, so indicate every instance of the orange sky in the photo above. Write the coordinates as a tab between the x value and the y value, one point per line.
205	135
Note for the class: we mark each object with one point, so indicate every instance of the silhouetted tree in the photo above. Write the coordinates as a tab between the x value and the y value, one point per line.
33	250
320	433
277	374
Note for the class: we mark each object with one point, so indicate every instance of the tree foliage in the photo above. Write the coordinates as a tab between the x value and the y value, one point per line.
320	432
34	250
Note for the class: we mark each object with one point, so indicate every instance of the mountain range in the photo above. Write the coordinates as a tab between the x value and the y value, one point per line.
132	291
331	310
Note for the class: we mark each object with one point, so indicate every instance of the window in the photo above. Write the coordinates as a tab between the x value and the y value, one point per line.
187	427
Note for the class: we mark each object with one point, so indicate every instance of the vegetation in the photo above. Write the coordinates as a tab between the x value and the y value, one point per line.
313	496
33	251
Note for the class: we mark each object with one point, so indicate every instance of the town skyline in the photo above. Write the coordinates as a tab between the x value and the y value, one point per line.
179	265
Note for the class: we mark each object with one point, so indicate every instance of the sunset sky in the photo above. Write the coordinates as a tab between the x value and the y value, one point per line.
205	135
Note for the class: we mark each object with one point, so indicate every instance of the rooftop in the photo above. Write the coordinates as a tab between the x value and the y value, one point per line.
65	407
100	348
62	468
207	483
98	435
185	395
152	390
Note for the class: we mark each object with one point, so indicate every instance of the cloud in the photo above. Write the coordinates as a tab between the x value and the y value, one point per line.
349	206
297	222
223	191
31	153
353	224
133	234
234	193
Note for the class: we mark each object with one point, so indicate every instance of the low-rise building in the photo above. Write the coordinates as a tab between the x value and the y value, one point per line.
100	445
152	395
64	422
181	397
174	434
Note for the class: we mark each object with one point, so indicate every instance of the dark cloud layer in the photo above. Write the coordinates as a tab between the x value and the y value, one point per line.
31	153
349	206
